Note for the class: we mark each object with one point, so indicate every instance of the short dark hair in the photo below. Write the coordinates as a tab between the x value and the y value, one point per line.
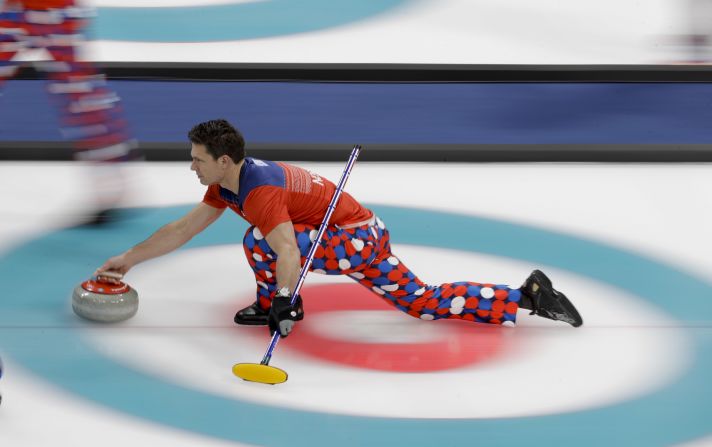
220	138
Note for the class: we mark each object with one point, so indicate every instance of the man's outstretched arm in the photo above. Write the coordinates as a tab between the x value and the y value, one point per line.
165	240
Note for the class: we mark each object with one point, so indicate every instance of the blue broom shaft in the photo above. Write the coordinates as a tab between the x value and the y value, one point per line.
310	256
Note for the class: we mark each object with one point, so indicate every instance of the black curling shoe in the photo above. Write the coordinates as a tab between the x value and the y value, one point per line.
548	302
254	315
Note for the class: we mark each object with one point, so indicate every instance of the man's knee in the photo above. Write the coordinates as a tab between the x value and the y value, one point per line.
252	238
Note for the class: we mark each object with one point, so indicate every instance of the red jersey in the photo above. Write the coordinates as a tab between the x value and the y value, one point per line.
271	193
43	4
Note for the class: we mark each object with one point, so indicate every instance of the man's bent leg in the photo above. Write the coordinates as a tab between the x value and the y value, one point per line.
263	261
341	251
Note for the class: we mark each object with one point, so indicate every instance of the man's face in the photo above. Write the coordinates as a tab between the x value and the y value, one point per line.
209	170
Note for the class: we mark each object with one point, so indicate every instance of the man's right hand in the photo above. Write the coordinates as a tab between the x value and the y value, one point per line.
117	264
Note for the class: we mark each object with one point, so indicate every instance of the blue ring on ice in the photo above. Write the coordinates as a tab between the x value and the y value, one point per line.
38	276
231	21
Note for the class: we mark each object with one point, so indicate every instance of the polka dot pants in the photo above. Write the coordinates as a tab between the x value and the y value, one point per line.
91	113
364	254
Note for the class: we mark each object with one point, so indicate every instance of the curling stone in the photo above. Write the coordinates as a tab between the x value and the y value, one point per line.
105	300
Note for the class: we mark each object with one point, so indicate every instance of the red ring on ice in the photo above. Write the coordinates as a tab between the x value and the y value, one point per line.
461	343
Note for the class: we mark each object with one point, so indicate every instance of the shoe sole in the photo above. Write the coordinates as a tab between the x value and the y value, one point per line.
571	313
260	321
255	322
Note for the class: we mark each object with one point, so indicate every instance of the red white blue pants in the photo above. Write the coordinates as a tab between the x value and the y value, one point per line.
91	112
364	254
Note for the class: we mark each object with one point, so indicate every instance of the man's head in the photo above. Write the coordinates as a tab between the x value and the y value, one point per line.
219	138
216	146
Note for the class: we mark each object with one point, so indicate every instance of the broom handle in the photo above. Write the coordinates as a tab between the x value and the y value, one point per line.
310	257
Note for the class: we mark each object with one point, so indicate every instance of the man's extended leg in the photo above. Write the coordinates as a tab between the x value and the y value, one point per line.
391	279
481	302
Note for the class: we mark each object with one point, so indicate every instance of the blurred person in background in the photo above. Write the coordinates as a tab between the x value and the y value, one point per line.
692	43
699	39
91	113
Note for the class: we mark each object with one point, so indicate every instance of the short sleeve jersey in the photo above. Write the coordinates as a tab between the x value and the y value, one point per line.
271	193
43	4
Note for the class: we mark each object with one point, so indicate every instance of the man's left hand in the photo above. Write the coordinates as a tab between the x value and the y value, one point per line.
282	315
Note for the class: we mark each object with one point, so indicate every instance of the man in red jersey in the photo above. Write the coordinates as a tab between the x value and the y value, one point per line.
91	112
285	205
